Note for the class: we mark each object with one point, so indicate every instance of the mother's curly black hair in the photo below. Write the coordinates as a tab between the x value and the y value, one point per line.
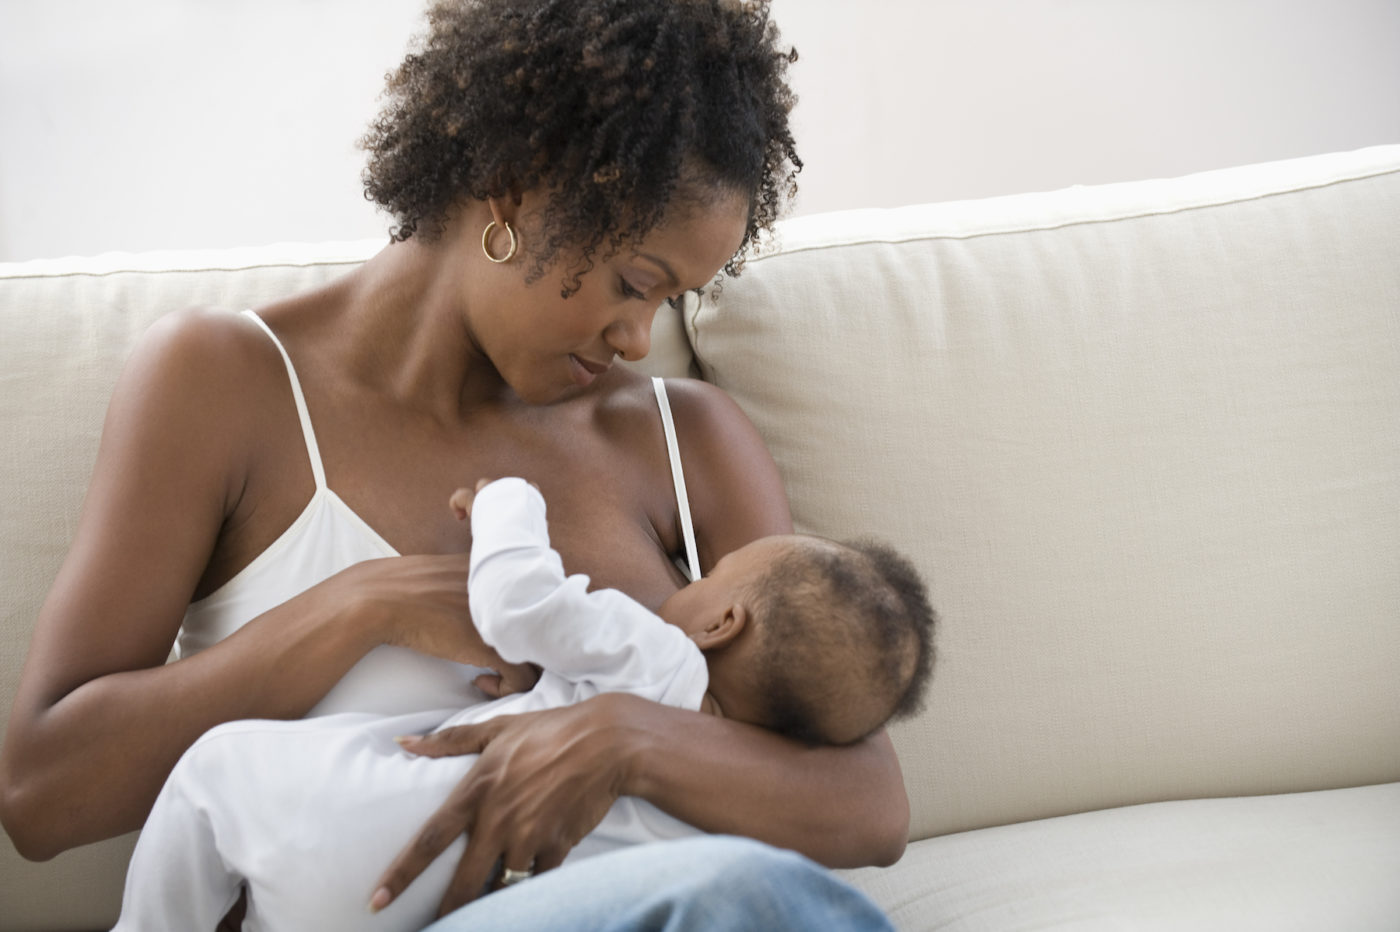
616	108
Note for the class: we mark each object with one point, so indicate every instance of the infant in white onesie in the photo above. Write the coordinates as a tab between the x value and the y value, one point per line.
306	814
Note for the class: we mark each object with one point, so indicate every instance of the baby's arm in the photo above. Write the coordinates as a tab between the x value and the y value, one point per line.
529	610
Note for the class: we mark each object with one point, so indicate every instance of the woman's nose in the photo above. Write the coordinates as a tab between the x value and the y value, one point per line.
630	337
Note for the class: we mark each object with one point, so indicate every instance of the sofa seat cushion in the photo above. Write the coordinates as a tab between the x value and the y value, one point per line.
1304	861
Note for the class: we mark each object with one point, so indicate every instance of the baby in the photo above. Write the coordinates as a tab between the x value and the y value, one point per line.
820	641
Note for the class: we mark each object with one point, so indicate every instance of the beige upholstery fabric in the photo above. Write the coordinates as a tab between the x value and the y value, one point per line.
1145	440
1295	863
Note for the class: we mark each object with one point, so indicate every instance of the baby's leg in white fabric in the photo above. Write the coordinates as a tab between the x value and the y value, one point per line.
350	803
177	879
308	814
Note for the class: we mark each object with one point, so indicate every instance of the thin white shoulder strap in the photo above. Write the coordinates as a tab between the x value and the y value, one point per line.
312	450
682	500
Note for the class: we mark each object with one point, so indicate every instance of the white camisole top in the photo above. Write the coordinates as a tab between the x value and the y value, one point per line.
329	536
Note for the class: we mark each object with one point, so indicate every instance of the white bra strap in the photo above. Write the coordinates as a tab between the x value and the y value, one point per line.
312	450
682	500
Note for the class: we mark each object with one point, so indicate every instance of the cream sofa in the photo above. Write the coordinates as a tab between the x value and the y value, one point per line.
1144	439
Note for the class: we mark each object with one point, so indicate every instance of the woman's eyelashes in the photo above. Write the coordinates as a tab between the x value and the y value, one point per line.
632	292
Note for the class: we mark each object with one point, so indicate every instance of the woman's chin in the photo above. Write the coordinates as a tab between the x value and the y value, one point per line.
536	393
577	381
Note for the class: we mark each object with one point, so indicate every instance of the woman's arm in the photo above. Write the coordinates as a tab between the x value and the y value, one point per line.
99	719
546	779
842	807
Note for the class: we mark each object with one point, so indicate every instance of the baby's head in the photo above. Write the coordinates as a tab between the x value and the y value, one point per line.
821	641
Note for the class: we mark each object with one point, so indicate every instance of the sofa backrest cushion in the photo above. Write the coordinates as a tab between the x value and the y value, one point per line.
1144	439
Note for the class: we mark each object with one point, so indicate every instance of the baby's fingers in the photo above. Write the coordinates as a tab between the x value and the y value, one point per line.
491	684
461	503
513	678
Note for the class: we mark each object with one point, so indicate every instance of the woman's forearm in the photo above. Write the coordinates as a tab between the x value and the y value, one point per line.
88	764
843	807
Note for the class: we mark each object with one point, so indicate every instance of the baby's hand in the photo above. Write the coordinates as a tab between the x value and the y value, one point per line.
513	678
461	500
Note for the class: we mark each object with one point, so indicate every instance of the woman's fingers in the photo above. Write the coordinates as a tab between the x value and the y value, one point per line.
450	820
481	870
517	866
550	858
474	872
454	741
419	602
543	781
453	818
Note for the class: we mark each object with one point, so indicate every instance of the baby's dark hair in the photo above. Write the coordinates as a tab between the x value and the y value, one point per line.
616	109
847	640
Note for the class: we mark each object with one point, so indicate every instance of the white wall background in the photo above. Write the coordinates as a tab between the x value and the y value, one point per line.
144	124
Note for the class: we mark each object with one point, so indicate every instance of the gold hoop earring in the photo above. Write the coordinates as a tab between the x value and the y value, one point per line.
486	242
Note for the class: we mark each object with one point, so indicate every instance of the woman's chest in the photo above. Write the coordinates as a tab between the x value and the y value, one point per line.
609	494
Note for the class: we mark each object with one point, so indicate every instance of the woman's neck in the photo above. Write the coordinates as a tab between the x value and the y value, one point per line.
409	333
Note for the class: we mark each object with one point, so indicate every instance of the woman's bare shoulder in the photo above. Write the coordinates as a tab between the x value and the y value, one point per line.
632	396
703	406
734	486
210	364
160	492
201	339
197	398
712	425
705	418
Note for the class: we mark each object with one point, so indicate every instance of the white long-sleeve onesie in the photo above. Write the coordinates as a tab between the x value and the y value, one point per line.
309	813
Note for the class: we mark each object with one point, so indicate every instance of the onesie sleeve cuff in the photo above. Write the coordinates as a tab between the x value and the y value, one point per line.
508	514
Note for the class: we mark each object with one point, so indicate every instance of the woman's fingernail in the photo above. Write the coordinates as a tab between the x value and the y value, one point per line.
405	740
380	899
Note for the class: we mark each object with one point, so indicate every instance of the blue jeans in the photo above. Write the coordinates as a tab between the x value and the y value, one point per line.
705	884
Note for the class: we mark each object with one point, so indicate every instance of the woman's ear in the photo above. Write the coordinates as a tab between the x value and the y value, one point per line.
722	630
498	214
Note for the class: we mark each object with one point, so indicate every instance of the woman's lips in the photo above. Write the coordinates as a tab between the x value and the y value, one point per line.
585	370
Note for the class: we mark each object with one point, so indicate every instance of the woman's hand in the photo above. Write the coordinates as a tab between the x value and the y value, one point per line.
543	782
420	602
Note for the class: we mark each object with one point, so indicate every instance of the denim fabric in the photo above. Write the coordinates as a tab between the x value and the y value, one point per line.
706	884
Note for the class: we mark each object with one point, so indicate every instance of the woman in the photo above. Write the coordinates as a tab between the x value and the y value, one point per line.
556	170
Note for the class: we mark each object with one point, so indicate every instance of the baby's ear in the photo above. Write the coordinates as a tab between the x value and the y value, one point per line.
720	631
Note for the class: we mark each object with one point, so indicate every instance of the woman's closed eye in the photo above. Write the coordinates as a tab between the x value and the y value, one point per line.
629	290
